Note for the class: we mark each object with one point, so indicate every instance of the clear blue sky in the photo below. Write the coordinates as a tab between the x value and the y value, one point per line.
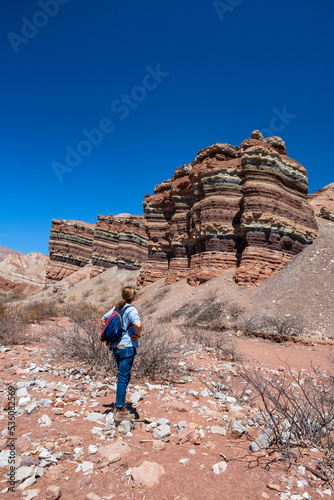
189	73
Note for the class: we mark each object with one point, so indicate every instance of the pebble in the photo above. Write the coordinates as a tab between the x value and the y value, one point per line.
219	467
161	432
92	449
52	493
184	461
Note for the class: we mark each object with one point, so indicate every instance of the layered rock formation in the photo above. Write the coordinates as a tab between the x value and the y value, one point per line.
119	240
70	247
322	202
231	208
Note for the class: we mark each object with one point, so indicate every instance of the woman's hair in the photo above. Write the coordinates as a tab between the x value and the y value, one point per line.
128	295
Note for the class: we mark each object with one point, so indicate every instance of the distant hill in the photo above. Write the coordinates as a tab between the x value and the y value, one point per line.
4	251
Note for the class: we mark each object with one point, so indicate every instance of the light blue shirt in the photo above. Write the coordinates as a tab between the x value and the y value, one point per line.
129	317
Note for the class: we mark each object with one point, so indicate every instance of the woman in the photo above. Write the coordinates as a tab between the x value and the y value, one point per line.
125	351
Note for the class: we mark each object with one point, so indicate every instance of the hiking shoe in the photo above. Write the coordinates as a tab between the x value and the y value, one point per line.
122	414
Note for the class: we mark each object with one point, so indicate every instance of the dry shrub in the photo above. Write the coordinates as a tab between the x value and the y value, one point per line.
276	328
156	359
159	354
299	408
220	343
79	338
36	312
12	327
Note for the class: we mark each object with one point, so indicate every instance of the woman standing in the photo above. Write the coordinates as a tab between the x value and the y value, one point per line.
125	350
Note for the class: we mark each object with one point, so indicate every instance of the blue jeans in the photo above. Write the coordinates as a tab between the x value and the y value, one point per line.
124	359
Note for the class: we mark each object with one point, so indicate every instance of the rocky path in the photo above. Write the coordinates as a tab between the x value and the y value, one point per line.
189	439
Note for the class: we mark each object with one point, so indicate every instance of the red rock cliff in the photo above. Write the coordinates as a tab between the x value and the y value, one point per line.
231	208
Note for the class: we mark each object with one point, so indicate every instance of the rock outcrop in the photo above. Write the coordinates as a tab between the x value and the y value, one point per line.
70	248
231	208
118	240
322	202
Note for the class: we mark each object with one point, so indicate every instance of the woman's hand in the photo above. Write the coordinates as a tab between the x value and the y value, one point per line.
134	337
103	321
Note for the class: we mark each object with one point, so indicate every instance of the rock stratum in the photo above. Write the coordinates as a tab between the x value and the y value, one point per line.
243	208
113	241
230	208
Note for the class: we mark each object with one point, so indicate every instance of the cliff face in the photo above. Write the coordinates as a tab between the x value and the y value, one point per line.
70	247
119	240
113	241
322	202
231	208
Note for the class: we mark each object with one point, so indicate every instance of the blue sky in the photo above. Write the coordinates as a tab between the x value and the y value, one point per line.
160	80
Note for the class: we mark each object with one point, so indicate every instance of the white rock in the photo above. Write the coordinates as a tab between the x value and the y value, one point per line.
4	457
92	449
136	397
184	461
219	467
161	432
86	466
28	482
23	473
22	393
24	401
95	417
45	421
217	429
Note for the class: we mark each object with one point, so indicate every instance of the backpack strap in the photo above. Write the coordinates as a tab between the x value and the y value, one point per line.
122	311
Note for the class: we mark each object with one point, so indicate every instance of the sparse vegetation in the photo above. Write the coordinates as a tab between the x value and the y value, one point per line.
274	328
12	327
299	409
221	344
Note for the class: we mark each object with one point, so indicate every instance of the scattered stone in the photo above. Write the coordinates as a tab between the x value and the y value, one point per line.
28	482
161	432
136	397
22	392
30	494
101	394
92	496
120	448
24	401
184	461
219	467
263	441
216	429
163	421
274	487
74	440
114	457
29	461
180	426
148	474
235	430
22	444
23	473
159	445
125	426
45	421
52	493
95	417
92	449
70	414
176	406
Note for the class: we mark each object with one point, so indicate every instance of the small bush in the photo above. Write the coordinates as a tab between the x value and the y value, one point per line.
221	344
274	328
299	408
36	312
12	327
157	358
159	354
